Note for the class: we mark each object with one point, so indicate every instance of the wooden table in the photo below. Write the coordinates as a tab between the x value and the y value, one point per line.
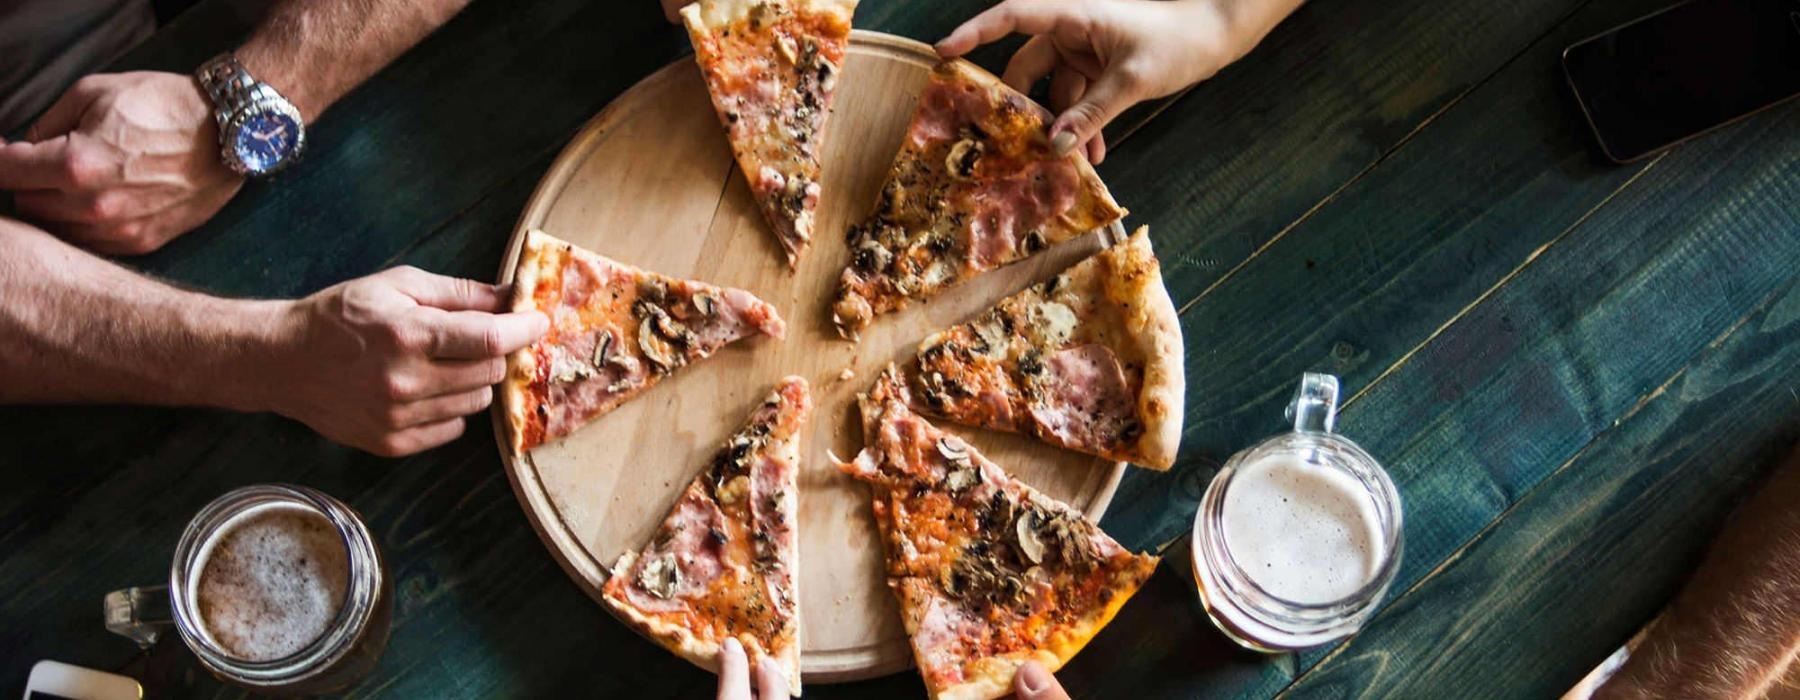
1572	369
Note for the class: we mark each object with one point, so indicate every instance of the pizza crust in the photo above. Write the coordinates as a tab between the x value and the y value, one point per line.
675	638
685	644
1155	330
535	257
707	16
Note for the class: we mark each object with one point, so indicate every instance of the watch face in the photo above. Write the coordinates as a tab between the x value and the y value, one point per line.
265	140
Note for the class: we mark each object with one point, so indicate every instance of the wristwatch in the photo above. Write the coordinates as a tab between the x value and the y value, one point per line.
260	132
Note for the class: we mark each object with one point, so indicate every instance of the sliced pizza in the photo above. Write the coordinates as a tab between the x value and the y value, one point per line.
989	572
1089	360
976	185
615	331
724	562
772	68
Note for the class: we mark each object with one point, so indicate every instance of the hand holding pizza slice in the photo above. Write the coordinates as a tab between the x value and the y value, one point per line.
615	331
724	563
976	185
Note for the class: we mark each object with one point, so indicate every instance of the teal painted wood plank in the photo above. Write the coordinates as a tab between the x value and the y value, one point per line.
485	612
1328	94
1592	553
1478	416
1373	273
1500	398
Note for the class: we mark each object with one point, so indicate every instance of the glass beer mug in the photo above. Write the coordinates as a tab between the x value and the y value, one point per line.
278	589
1298	537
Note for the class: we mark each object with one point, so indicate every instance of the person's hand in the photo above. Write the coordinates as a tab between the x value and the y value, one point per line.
390	363
1034	682
1103	56
734	675
121	163
672	9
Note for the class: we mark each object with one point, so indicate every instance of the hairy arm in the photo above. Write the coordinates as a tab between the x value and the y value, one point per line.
389	363
77	328
315	51
1734	631
124	162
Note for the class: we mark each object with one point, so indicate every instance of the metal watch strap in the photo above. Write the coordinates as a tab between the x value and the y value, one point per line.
227	84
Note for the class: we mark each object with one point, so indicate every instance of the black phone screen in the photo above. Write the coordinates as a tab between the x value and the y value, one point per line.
1684	70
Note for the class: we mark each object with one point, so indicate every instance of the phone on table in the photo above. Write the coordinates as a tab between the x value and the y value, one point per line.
52	680
1662	79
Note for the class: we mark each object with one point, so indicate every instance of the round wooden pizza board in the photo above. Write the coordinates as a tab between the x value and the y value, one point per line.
650	181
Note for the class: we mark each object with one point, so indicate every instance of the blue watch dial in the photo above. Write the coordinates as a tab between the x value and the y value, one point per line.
265	140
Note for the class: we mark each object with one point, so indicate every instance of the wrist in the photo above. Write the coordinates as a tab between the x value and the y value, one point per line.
1239	25
256	340
270	68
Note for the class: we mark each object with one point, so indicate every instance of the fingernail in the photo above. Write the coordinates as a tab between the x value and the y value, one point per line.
1034	677
768	664
1063	142
733	646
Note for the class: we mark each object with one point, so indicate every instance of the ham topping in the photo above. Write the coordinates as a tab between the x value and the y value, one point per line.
769	497
1009	208
1084	398
683	560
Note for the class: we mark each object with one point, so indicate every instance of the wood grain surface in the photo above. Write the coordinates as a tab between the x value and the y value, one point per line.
650	181
1573	369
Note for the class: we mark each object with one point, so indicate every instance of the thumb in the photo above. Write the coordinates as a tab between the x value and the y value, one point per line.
1034	682
1104	100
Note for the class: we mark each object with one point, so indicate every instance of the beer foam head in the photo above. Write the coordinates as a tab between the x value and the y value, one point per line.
272	580
1306	532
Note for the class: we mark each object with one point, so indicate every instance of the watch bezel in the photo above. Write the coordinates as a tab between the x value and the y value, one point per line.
235	125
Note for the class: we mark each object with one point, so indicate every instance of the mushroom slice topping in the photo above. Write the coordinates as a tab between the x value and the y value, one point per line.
705	304
961	161
660	576
953	450
1030	544
659	350
603	349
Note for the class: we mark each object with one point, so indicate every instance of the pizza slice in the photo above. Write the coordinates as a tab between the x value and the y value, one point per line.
989	572
772	69
1089	360
615	331
976	185
724	562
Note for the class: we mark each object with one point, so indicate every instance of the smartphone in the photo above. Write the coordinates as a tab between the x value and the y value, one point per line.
52	680
1678	73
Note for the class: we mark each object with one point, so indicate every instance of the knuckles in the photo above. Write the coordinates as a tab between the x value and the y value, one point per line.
398	387
392	445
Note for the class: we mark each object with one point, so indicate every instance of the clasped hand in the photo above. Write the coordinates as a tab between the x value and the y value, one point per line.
1104	56
122	163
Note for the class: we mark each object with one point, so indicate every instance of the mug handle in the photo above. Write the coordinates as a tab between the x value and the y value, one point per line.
140	613
1314	408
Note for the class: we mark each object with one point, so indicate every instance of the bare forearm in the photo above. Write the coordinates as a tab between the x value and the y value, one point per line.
1735	629
315	51
1251	20
76	328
